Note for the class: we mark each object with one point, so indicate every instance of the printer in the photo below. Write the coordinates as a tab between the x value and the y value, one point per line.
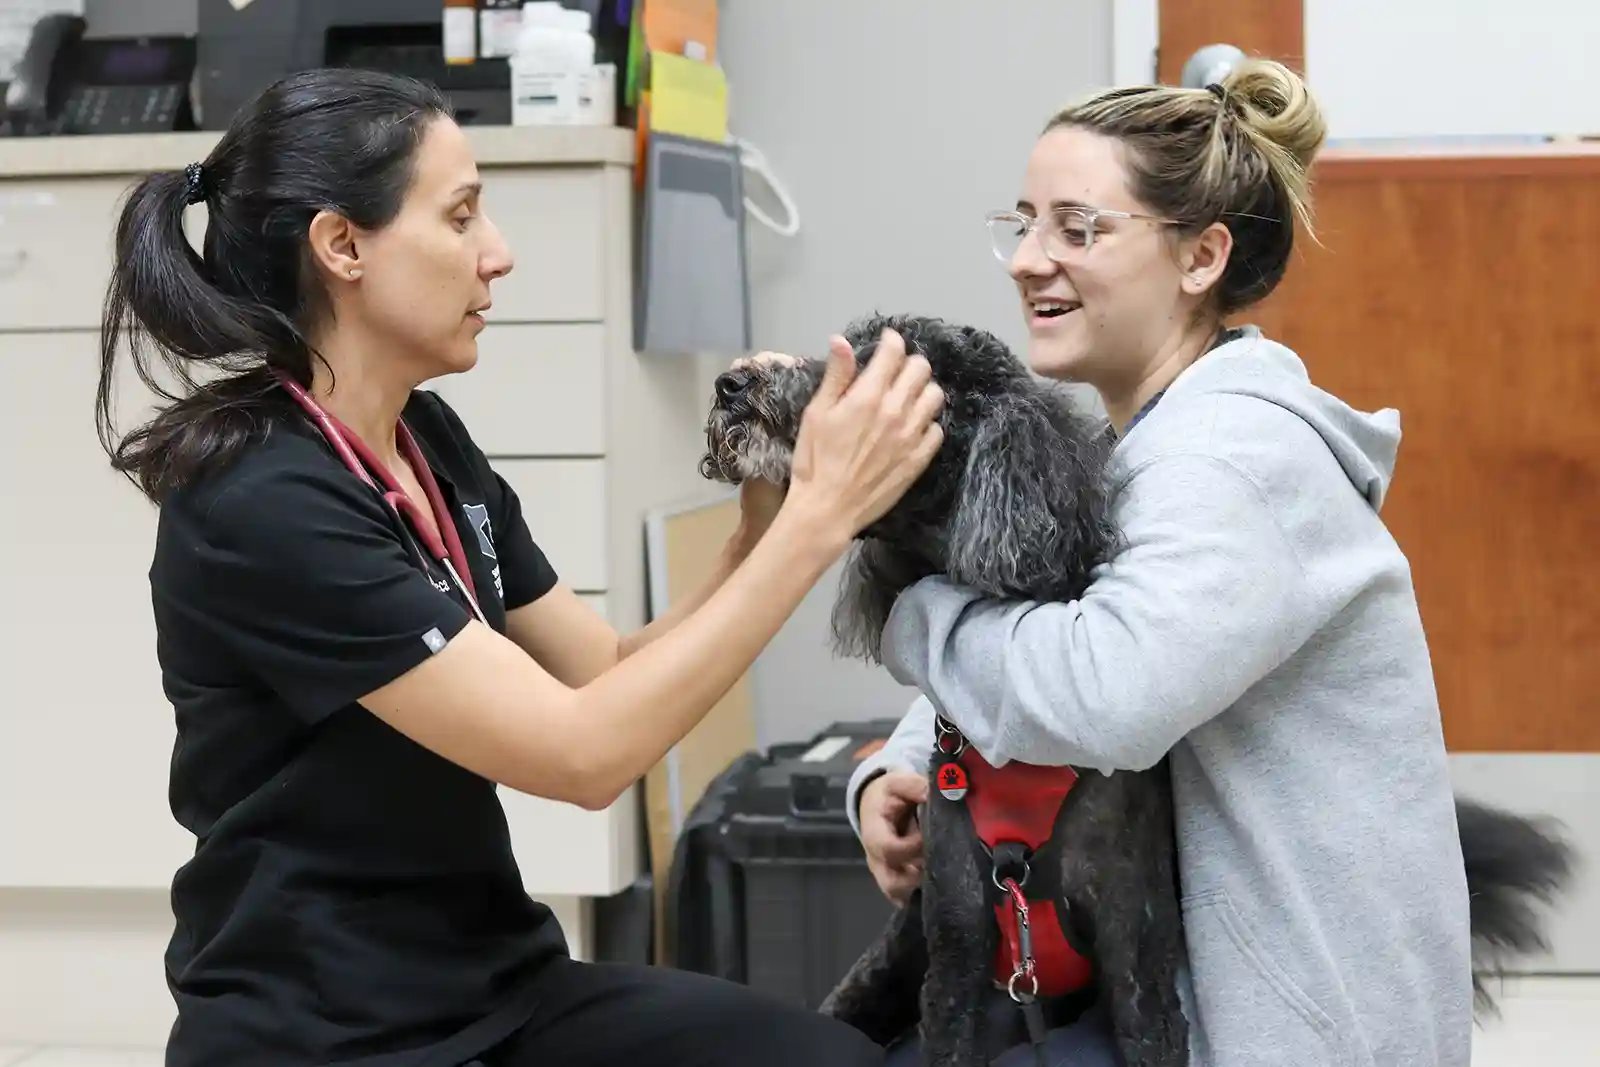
243	48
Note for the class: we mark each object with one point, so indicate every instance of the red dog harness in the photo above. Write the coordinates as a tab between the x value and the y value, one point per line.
1014	810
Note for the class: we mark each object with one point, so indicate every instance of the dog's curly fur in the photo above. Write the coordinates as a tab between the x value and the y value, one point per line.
1014	505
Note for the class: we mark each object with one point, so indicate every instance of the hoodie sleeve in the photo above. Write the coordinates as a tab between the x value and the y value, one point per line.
1205	598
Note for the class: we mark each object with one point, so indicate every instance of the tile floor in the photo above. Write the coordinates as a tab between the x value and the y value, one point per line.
1552	1022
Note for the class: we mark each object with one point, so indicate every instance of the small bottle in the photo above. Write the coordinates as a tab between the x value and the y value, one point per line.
555	53
460	32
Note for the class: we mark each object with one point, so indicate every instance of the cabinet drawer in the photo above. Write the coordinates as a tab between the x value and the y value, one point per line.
567	851
86	733
536	391
564	503
55	251
56	243
554	220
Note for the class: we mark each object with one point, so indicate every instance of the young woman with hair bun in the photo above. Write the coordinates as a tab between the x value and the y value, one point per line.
1259	624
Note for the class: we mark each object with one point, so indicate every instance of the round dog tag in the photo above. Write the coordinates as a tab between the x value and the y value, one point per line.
952	781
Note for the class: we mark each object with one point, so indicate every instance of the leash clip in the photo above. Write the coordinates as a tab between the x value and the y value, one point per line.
1022	958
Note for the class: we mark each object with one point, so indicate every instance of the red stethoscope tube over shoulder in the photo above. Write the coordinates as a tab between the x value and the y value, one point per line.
445	546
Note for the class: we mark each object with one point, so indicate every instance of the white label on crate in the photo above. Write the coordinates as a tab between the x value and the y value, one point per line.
824	750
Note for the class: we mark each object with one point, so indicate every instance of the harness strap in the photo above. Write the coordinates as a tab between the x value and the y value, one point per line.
1014	810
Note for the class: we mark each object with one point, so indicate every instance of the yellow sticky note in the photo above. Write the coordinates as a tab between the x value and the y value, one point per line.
688	98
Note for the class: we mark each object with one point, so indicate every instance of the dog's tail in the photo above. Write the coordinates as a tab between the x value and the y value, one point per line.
1513	864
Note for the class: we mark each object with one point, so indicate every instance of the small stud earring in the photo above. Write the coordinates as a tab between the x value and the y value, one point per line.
355	273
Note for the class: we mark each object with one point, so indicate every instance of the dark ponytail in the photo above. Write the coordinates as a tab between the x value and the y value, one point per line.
223	322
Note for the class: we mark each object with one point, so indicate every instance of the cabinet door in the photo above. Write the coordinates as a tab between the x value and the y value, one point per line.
537	390
564	502
554	220
1490	349
86	733
55	250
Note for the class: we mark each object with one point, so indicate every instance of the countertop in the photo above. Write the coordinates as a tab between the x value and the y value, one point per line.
1460	159
136	153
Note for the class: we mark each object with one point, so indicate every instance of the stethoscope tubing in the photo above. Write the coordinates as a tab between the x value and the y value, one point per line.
397	501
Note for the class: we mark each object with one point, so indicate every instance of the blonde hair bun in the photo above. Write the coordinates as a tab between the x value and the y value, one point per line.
1274	104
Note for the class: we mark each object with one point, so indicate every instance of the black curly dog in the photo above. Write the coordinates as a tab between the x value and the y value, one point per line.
1014	506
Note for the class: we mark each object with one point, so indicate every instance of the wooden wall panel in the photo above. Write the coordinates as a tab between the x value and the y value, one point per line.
1464	292
1274	29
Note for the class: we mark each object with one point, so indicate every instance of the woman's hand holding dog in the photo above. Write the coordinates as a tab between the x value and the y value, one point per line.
890	833
864	438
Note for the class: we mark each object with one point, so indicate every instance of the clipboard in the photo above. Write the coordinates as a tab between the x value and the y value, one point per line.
681	547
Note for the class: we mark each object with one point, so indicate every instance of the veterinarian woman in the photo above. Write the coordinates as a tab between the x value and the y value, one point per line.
361	639
1259	624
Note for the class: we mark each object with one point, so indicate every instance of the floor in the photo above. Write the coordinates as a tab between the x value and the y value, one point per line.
1552	1022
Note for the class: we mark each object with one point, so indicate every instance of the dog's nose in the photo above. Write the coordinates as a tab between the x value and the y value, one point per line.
731	385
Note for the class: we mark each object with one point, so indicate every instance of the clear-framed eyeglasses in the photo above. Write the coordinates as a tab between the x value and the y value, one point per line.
1066	233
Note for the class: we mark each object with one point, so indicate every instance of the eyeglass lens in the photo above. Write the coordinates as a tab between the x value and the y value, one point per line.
1067	235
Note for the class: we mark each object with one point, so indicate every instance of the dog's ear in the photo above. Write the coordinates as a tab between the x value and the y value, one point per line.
1031	514
875	574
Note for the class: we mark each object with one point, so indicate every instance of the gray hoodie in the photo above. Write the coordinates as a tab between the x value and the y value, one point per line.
1260	625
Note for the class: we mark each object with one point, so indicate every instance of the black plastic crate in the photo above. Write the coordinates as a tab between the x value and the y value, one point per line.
769	884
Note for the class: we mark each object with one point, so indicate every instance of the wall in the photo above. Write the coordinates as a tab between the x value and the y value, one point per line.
891	198
1454	68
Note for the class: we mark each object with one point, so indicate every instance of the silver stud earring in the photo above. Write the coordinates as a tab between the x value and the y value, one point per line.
355	273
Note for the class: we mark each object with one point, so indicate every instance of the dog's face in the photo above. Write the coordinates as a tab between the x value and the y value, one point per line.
755	417
754	420
1011	504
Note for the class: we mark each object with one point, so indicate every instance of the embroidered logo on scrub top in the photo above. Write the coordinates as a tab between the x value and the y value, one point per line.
478	519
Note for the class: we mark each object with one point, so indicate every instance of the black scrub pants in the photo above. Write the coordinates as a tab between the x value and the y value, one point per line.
593	1014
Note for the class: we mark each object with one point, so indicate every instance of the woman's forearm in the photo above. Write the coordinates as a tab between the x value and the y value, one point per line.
625	721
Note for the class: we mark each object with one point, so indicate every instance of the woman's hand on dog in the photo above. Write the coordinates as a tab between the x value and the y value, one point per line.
891	834
865	437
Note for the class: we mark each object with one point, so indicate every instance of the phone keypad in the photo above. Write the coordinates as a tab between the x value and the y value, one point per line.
121	108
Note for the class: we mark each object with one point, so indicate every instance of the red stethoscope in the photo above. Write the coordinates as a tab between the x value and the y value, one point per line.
360	460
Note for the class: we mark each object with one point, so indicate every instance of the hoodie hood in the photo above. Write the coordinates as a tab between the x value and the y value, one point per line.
1365	443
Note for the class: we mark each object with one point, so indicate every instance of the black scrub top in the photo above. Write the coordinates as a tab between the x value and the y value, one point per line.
353	898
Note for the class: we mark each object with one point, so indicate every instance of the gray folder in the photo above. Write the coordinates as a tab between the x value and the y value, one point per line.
691	287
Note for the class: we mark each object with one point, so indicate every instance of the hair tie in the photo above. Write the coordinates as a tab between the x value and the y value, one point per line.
194	183
1216	90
